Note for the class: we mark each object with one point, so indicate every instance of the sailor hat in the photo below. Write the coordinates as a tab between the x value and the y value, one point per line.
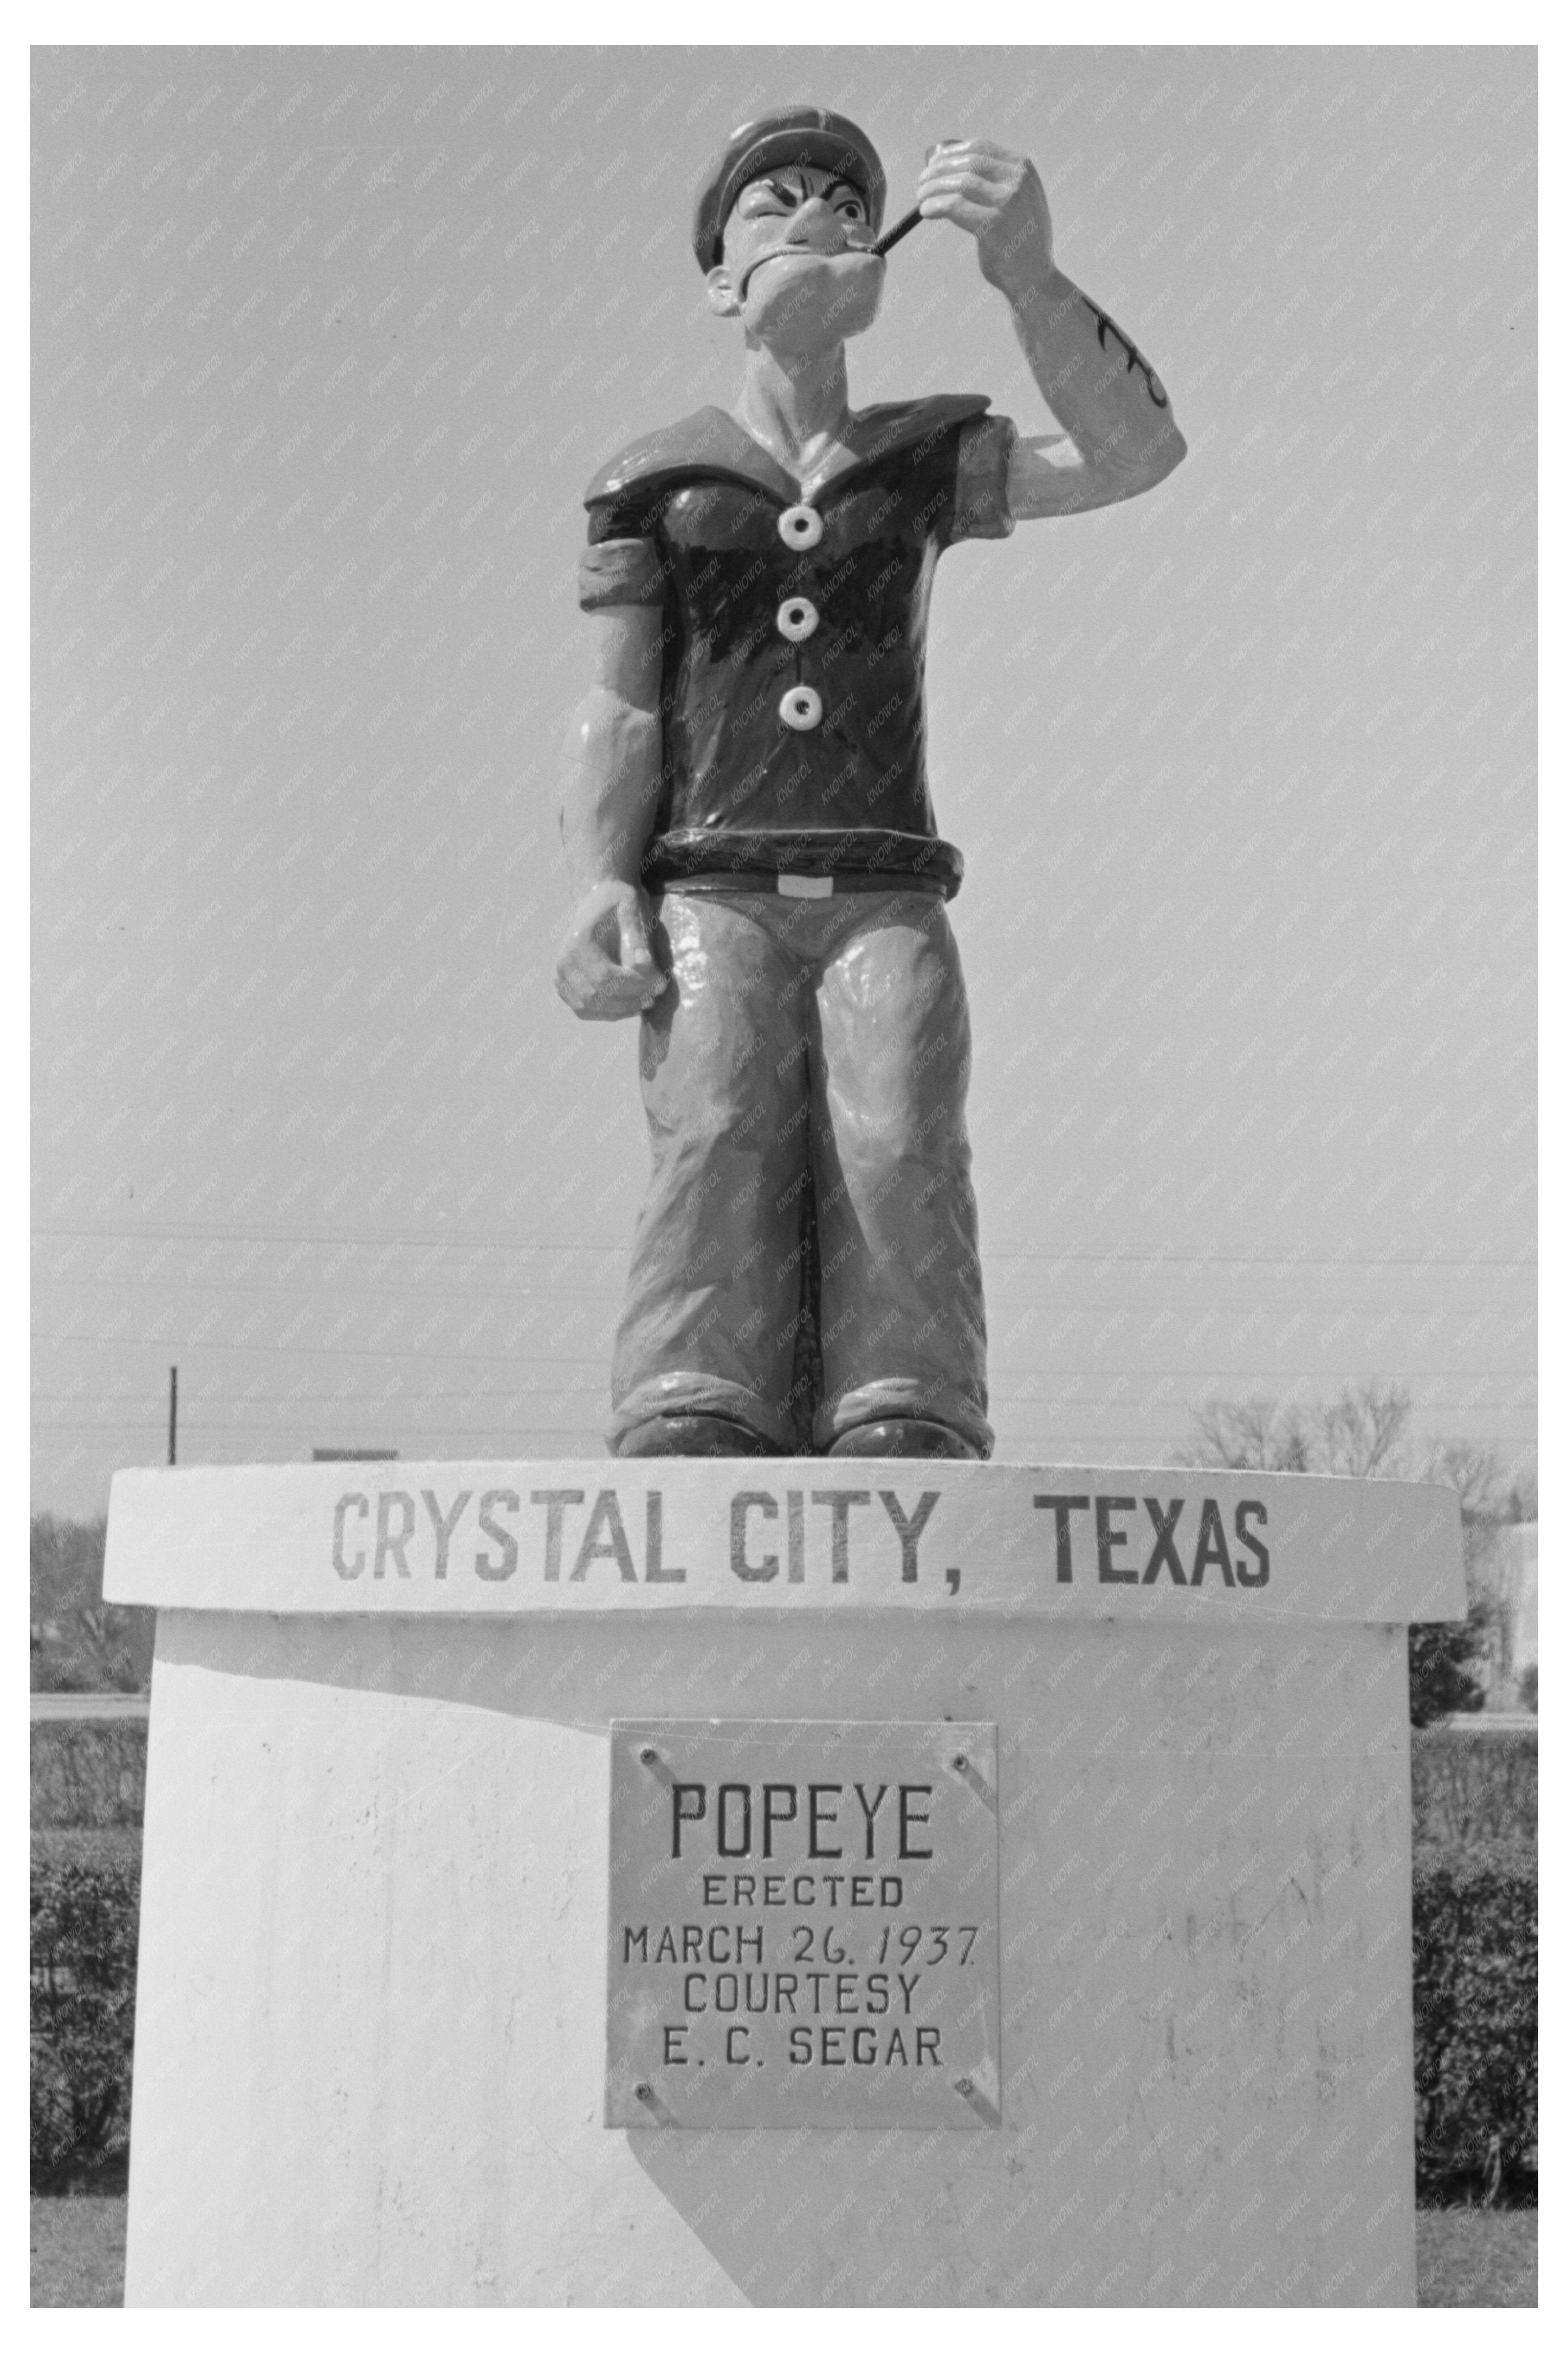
790	135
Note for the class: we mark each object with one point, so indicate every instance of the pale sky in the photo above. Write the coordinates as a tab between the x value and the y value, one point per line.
327	344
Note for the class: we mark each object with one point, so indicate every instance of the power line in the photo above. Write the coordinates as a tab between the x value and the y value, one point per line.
1135	1373
439	1294
1149	1408
305	1348
319	1290
1004	1376
300	1235
190	1431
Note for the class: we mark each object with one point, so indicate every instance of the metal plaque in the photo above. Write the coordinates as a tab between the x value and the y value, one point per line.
803	1925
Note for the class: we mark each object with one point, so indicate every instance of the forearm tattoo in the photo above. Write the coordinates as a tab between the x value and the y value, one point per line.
1106	326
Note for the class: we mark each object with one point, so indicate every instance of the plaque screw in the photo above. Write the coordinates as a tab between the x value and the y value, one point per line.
643	2090
649	1756
962	2083
961	1763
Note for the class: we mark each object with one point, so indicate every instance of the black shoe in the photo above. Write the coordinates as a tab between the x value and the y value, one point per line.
690	1433
905	1435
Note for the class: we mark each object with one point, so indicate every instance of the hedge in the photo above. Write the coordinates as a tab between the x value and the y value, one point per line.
1474	1996
1469	1789
86	1888
88	1772
1475	2001
1442	1661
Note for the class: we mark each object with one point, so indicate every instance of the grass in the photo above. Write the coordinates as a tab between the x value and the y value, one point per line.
1466	2256
78	2251
111	1846
1462	2256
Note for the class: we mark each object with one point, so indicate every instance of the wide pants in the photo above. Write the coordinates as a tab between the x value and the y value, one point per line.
821	1041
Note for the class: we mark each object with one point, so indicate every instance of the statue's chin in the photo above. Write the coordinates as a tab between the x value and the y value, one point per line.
804	299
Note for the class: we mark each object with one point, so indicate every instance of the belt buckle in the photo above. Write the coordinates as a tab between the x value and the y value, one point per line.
804	886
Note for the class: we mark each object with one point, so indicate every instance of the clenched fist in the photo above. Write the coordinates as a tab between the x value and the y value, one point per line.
998	198
606	970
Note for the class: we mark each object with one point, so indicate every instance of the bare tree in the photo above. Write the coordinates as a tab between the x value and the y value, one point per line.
1474	1471
80	1641
1364	1433
1251	1434
1359	1434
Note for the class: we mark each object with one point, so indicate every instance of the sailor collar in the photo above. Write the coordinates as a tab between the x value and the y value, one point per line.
711	444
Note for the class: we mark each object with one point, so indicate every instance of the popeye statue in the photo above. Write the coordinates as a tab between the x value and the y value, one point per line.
755	865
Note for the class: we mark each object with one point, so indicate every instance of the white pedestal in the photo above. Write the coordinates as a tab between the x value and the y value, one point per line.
371	2013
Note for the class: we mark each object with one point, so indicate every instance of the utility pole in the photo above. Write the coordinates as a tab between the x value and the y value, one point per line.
174	1408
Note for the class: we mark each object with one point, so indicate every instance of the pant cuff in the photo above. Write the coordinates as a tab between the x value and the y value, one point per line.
895	1397
700	1393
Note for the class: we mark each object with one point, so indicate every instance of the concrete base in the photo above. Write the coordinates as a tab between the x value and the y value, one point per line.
370	2058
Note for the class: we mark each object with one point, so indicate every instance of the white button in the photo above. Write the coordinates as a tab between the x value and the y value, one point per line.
801	709
798	617
800	526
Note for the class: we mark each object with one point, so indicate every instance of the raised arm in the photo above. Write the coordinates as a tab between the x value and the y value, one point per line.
1120	436
609	796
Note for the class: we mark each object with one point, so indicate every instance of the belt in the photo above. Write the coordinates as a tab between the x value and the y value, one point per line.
799	886
803	863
